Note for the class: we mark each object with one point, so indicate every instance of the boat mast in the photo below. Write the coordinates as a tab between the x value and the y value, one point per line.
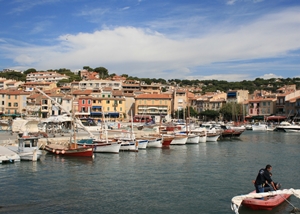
73	143
68	112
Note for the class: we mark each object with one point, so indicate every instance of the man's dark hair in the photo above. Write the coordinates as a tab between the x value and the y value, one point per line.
268	166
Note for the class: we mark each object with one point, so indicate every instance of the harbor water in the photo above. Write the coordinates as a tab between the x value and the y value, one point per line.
199	178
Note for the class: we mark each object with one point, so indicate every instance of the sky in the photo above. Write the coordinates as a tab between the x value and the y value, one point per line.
231	40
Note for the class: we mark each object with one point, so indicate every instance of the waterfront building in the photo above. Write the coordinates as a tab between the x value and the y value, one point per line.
33	106
237	96
157	105
209	101
15	102
260	107
180	99
84	106
284	94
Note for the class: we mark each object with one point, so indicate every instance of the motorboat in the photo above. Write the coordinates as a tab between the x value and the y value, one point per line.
228	131
287	127
27	148
270	199
259	127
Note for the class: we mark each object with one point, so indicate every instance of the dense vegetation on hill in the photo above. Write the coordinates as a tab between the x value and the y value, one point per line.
206	85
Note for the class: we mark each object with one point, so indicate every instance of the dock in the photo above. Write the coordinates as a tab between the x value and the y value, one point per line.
8	156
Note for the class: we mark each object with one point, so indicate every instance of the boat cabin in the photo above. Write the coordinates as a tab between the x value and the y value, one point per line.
27	143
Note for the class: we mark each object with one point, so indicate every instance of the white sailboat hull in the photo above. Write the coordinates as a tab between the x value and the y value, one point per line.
202	139
108	148
142	144
156	143
193	139
179	140
212	138
129	146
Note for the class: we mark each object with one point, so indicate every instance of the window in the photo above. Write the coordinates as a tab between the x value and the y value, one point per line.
83	102
120	102
16	97
8	96
3	103
107	108
89	101
15	104
9	104
107	101
120	108
109	95
103	95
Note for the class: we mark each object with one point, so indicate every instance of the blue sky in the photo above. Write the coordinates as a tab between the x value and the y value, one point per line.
231	40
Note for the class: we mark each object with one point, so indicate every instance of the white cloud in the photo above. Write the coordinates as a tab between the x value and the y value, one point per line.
227	77
145	53
231	2
269	76
125	8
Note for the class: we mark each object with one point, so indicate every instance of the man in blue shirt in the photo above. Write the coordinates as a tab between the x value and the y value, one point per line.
262	177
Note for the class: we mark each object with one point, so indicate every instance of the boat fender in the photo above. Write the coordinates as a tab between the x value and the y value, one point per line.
57	152
63	151
53	150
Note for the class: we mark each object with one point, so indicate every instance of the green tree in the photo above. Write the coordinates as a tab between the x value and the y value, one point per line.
88	68
209	114
30	70
103	72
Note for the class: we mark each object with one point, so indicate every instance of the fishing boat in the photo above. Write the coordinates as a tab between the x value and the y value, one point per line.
71	148
142	143
154	142
272	199
27	148
179	139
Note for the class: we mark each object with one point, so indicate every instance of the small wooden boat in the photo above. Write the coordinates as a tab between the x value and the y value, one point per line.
268	203
70	150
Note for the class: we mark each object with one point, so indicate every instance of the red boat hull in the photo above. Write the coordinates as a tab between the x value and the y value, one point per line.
167	141
269	204
78	152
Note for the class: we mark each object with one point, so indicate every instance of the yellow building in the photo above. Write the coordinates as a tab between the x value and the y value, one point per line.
15	102
112	103
156	105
